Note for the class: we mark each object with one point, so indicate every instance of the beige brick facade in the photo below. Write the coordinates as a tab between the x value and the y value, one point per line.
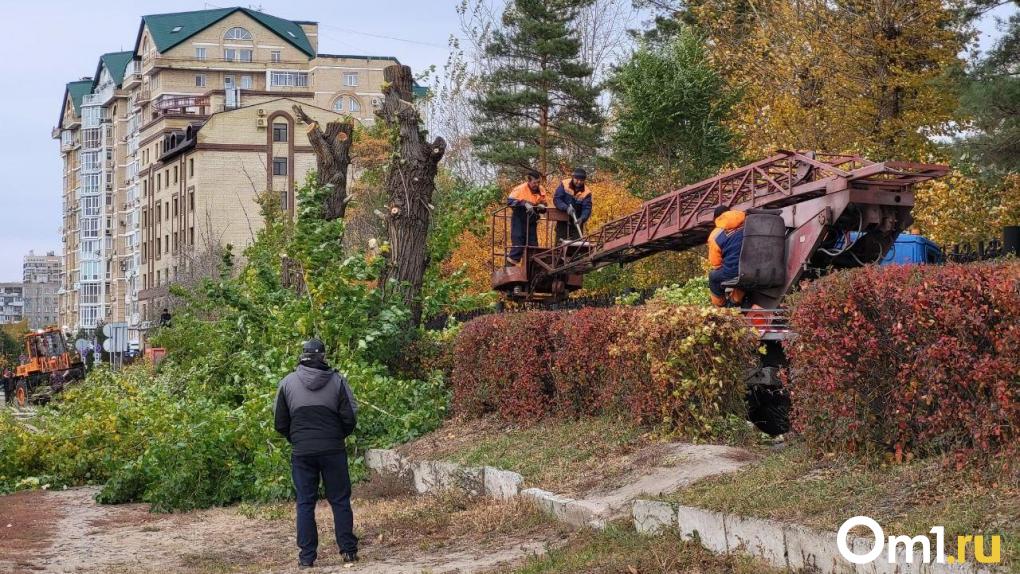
189	133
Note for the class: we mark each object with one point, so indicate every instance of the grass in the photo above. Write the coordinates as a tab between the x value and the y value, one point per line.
622	550
795	485
564	456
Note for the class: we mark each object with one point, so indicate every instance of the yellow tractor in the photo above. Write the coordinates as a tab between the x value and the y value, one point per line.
47	366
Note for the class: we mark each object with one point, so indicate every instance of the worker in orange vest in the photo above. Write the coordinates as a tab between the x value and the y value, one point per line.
724	244
528	203
573	197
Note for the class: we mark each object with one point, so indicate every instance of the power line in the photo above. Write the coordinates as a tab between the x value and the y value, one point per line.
384	37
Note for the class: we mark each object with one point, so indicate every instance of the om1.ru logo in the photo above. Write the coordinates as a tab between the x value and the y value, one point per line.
981	553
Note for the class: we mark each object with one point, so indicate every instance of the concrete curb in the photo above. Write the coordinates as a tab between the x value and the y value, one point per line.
790	546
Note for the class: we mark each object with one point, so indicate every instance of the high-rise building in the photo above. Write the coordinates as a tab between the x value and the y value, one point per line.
168	147
12	303
41	277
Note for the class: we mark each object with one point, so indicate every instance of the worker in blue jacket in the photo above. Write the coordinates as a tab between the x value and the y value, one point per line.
724	244
573	197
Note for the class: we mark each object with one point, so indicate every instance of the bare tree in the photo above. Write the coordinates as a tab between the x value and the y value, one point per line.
410	183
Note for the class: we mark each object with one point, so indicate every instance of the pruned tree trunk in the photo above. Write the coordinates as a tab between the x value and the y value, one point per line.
332	159
410	184
332	150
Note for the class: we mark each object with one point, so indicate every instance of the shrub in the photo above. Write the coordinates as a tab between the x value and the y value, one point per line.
912	360
698	360
678	368
590	374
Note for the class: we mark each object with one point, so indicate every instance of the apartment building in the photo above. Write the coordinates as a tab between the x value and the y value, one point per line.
12	303
41	277
168	147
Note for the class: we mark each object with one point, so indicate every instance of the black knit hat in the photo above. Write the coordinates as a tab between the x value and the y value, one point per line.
313	345
579	173
719	210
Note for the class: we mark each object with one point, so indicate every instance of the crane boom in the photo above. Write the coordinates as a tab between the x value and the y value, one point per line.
820	197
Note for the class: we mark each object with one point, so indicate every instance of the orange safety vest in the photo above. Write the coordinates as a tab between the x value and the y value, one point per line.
570	190
523	193
727	222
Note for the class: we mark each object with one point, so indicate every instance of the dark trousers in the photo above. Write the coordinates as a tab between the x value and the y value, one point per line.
567	231
715	281
523	231
332	469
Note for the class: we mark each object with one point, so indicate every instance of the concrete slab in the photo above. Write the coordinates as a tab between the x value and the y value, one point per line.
808	548
653	517
762	538
501	484
705	526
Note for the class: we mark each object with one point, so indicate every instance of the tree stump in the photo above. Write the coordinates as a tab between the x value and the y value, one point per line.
410	184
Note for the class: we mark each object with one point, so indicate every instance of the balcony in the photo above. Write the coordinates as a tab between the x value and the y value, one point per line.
181	105
132	75
142	96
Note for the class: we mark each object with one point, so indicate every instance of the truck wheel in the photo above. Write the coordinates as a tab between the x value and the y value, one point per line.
22	392
769	409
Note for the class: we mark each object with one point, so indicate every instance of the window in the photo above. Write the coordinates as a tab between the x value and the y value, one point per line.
199	53
279	166
279	132
159	181
338	105
244	54
237	33
274	56
297	79
159	211
355	105
191	167
199	80
350	78
166	243
191	235
229	54
191	200
175	174
246	82
166	211
175	242
175	207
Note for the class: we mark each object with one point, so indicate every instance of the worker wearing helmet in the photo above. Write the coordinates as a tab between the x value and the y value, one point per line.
528	202
315	411
573	197
724	245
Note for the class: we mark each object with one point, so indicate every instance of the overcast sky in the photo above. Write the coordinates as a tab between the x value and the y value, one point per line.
52	42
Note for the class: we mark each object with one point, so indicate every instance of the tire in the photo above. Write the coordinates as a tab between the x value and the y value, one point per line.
769	409
22	393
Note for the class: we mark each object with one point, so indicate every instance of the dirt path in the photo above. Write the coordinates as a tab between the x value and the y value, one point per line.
66	532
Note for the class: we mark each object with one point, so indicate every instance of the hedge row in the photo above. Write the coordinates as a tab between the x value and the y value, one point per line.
682	368
913	360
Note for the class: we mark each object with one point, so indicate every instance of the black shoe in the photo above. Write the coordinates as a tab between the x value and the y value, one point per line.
348	557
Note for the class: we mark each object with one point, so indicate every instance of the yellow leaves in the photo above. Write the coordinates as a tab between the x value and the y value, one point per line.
961	209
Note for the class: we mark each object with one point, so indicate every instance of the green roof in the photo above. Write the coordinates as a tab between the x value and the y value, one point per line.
116	63
76	90
162	27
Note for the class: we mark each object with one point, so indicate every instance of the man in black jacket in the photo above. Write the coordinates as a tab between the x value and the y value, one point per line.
315	410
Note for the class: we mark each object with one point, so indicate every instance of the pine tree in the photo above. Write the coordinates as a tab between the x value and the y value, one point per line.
534	104
991	101
671	111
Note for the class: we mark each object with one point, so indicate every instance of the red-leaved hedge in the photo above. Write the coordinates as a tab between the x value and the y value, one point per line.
913	360
680	368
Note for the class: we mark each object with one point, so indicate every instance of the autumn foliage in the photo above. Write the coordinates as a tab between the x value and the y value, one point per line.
910	360
681	370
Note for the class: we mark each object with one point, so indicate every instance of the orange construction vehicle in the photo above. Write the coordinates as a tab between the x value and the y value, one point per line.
48	363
